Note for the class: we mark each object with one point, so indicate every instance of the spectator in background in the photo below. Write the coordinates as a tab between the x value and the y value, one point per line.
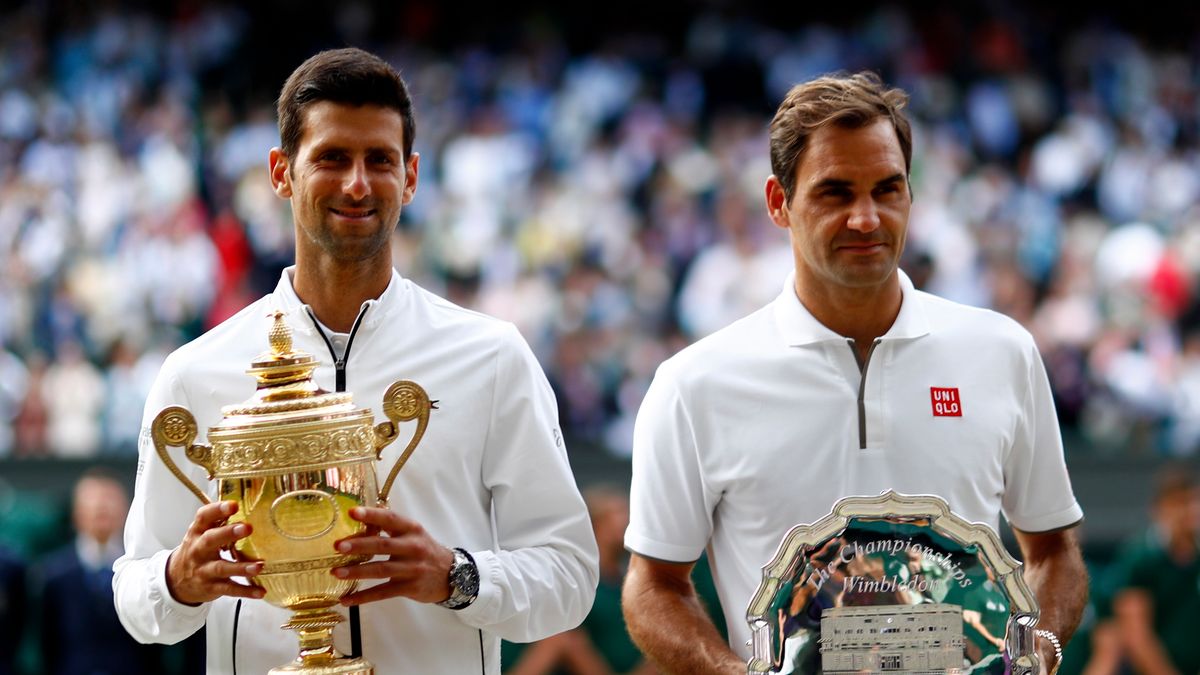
12	608
80	632
32	416
1185	432
126	386
14	379
74	395
737	274
1157	610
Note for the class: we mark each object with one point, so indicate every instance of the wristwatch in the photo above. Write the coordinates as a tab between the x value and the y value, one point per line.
464	581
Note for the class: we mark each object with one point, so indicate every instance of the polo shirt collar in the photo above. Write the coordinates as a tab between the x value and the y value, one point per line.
799	327
285	298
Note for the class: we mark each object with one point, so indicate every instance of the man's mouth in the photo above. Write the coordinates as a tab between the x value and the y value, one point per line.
355	214
862	245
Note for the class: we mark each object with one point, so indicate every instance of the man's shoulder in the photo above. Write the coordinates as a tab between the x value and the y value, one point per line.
446	319
747	340
954	319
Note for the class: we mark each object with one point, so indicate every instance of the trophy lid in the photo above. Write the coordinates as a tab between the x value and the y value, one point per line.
285	383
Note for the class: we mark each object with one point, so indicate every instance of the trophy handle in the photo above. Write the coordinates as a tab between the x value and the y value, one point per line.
402	402
174	425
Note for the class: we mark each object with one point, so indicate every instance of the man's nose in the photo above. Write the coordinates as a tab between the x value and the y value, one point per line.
356	186
864	215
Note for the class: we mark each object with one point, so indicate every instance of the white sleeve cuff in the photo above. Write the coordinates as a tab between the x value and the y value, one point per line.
1047	522
656	550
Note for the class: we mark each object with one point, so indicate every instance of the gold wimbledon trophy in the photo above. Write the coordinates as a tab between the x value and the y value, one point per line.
296	459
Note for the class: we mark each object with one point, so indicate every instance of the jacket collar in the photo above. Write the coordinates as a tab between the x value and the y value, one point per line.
798	327
285	298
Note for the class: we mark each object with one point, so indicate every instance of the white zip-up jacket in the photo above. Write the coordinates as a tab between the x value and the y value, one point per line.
490	476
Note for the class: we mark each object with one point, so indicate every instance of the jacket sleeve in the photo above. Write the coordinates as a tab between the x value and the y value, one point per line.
159	515
542	578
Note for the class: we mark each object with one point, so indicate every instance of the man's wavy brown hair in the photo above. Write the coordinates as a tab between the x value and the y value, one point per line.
850	101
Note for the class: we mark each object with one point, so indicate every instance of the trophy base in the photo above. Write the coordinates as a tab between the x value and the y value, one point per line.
339	666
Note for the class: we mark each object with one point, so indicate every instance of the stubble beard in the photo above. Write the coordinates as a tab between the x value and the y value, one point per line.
865	276
351	248
357	249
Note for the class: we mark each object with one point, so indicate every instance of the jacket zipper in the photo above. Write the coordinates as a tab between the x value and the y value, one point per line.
339	370
863	363
339	364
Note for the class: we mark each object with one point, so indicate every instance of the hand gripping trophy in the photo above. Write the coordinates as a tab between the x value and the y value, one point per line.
296	459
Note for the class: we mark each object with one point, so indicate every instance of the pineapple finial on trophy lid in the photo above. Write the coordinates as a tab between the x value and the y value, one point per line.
283	372
285	384
280	335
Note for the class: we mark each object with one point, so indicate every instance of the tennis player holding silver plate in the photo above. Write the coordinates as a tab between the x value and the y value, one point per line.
853	381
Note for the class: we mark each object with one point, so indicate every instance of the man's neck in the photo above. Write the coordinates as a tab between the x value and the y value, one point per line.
95	553
860	314
336	292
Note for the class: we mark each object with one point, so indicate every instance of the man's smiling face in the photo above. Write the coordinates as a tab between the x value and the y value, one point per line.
347	181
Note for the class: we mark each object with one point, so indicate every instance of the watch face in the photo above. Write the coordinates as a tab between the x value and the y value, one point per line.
466	579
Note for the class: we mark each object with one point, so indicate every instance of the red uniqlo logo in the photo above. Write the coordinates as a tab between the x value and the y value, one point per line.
945	401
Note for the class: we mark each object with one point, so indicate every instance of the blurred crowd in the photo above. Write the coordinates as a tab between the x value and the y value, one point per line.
604	195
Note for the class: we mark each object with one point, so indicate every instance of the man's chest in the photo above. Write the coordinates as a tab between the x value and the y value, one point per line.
826	428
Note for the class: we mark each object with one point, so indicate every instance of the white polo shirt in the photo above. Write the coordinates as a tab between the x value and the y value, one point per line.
757	428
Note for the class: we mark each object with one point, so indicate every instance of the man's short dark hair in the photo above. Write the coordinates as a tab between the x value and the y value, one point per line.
349	76
852	102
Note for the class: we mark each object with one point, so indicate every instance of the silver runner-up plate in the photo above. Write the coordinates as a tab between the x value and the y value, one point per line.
892	584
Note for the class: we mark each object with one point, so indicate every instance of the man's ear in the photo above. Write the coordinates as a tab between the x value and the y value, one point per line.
281	178
776	202
411	173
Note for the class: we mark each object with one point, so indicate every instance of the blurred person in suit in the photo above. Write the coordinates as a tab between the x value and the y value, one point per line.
80	632
13	604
